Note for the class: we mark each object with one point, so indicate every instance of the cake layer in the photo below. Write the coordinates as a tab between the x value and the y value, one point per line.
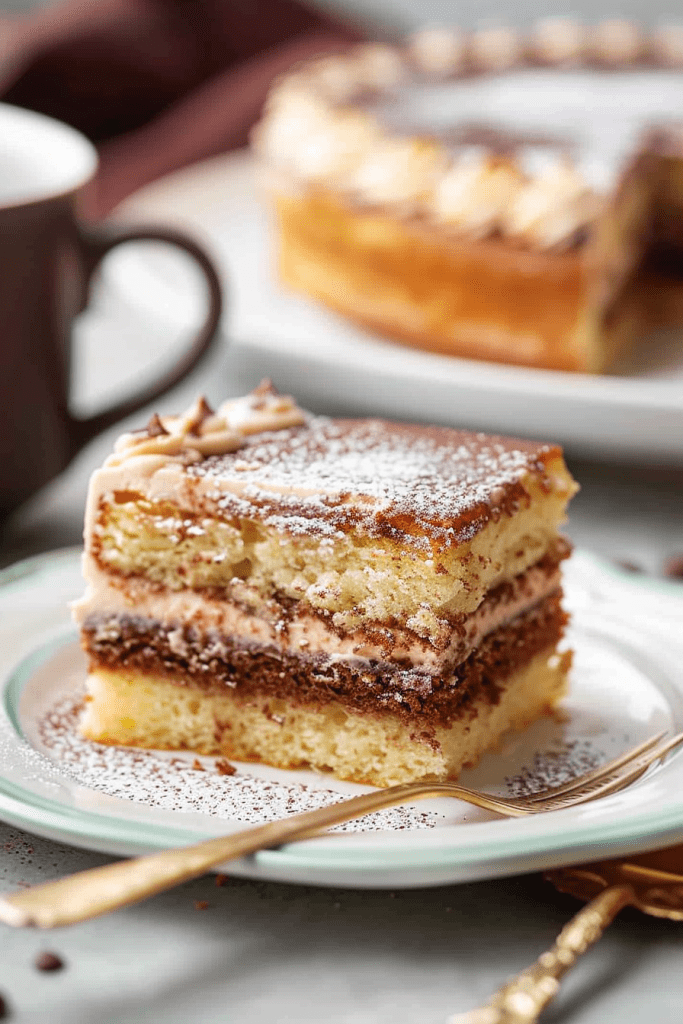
292	629
363	520
125	706
213	663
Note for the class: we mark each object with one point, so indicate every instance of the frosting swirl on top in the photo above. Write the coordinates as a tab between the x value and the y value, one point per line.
398	171
200	432
559	41
438	52
475	193
553	207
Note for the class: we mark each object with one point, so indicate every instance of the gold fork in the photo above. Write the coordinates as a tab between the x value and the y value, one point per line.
90	893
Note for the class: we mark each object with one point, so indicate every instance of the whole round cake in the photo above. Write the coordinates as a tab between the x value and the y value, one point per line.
490	195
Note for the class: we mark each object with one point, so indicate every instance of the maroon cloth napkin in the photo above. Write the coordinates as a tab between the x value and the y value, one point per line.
156	84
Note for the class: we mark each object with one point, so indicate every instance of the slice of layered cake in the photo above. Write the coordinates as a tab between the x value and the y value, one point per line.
375	599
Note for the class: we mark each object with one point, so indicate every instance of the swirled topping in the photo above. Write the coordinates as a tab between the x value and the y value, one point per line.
552	207
335	78
295	115
366	68
336	147
559	41
378	66
618	42
438	52
475	193
398	171
261	410
200	432
496	48
391	126
666	45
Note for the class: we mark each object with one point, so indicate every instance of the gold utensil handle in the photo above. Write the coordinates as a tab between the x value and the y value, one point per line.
521	1000
100	890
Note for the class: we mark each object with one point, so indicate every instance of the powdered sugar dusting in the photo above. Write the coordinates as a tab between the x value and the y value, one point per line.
414	484
184	783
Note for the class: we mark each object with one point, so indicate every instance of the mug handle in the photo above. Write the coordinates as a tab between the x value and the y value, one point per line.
95	244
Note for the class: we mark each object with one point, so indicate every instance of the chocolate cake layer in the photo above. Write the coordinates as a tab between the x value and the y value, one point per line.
212	663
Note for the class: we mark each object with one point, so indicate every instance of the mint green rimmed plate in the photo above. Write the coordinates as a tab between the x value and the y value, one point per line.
627	684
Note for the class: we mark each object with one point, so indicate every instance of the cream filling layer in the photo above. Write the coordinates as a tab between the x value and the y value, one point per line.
301	632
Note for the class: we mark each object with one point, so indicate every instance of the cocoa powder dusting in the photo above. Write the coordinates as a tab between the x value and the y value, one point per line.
554	768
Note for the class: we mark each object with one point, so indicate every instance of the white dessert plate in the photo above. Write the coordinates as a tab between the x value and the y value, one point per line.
627	684
331	364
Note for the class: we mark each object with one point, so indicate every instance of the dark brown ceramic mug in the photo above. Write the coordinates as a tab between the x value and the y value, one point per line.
47	258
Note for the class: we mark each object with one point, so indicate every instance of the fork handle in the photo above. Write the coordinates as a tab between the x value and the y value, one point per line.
100	890
521	1000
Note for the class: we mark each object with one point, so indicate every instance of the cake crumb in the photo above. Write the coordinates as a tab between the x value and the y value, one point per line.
224	767
49	962
201	904
627	565
673	567
221	880
197	765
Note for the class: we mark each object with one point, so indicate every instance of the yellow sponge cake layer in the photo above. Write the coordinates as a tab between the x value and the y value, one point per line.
144	710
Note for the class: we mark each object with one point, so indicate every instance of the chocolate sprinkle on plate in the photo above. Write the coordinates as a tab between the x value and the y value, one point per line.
673	567
49	962
627	565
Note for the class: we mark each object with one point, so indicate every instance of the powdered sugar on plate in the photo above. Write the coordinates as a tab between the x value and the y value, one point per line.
183	782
